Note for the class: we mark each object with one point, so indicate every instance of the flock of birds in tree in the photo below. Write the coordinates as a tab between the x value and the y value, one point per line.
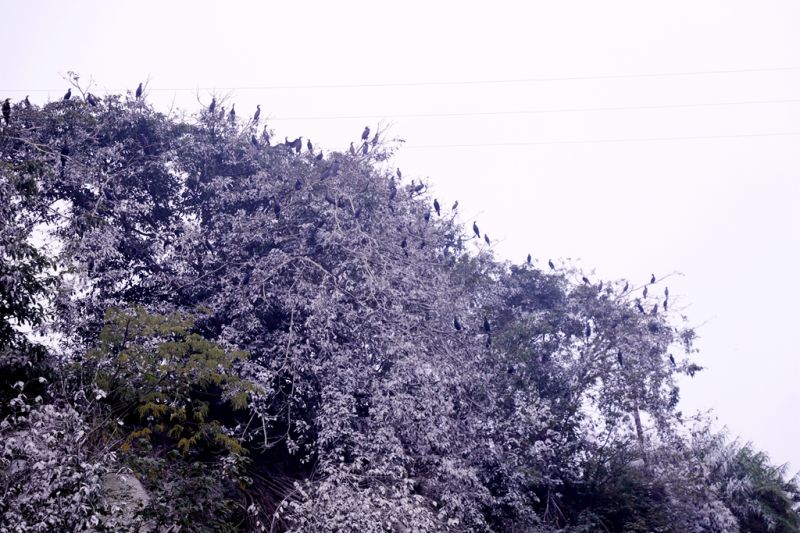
333	169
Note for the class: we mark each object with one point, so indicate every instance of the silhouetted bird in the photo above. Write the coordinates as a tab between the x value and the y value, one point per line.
671	360
91	100
665	304
257	114
392	193
655	309
456	324
528	259
619	357
625	288
588	330
335	168
666	292
254	141
352	149
64	155
455	205
232	114
639	306
585	280
600	287
486	238
139	90
427	216
297	144
68	95
27	102
404	244
365	134
310	146
213	106
364	148
487	328
419	187
7	110
319	156
399	174
298	185
644	292
476	230
436	207
550	262
652	278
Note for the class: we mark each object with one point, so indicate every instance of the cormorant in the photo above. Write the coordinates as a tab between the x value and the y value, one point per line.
486	326
319	156
64	155
68	95
258	114
665	304
404	244
666	292
644	292
7	110
639	306
625	288
436	207
232	114
455	205
91	100
392	193
427	216
365	134
329	199
588	330
352	149
476	230
550	262
671	359
456	324
486	238
335	168
357	213
399	174
309	146
528	259
619	357
652	278
375	139
364	148
27	102
139	90
254	141
213	106
298	185
655	309
585	280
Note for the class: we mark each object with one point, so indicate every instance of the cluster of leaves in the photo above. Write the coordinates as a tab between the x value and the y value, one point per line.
300	343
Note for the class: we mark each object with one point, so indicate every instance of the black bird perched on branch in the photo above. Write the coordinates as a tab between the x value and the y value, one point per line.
487	328
639	306
375	139
655	309
528	259
319	156
665	304
644	292
257	114
588	330
625	288
427	216
298	185
404	243
486	238
585	280
476	230
652	278
232	114
619	357
64	155
309	146
671	360
364	148
365	134
7	111
254	141
68	94
91	100
139	90
352	149
456	324
455	205
357	212
335	168
666	292
27	102
212	106
437	207
399	174
550	262
298	144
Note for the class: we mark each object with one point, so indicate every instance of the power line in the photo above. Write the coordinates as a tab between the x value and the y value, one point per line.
606	141
540	111
452	82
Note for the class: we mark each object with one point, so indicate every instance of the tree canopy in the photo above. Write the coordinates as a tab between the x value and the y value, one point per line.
273	338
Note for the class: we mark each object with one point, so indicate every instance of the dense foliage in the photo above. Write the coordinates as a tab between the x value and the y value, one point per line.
273	340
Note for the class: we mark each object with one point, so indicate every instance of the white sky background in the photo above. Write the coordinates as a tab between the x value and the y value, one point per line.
723	212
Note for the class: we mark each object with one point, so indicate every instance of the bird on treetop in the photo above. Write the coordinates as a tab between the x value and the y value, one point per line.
232	114
309	146
427	216
7	110
319	156
298	144
655	309
399	174
666	292
639	306
619	357
652	278
528	259
365	134
404	243
666	305
455	205
588	330
364	148
257	114
437	207
352	149
476	230
671	359
585	280
486	238
254	141
644	292
139	90
550	262
486	326
68	95
625	288
298	185
375	139
27	102
456	324
91	100
213	106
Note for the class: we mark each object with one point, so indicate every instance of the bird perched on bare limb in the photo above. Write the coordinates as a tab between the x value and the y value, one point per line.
486	238
91	100
476	229
365	134
139	90
456	324
352	149
652	278
68	94
309	146
27	102
232	114
7	111
212	106
550	263
528	259
257	114
437	207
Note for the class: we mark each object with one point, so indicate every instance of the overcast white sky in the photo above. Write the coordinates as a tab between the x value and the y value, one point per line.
721	207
